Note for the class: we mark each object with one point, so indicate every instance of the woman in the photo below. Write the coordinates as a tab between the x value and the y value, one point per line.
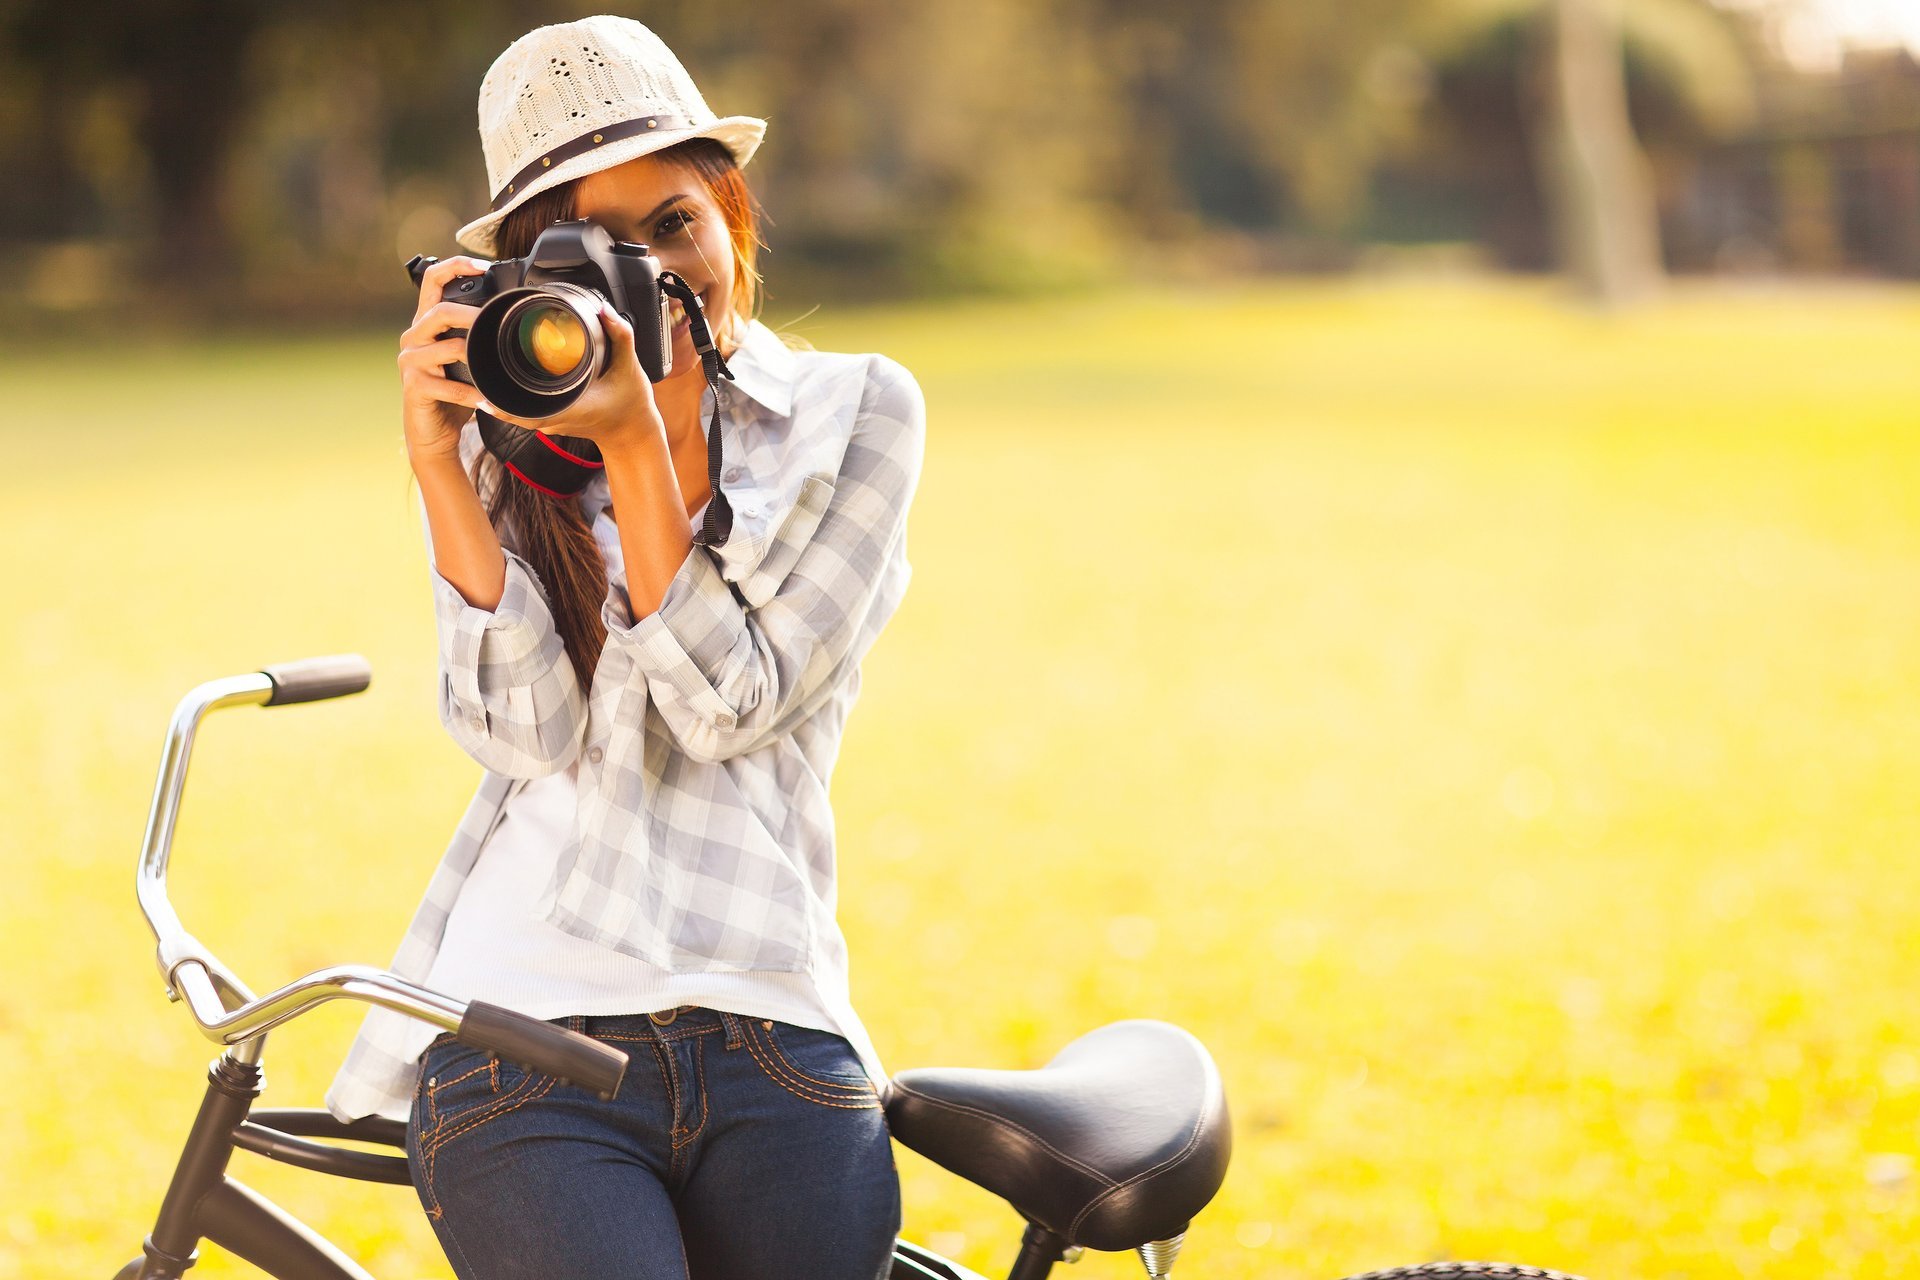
650	858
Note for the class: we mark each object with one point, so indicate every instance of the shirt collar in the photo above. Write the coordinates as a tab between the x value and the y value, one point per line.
763	369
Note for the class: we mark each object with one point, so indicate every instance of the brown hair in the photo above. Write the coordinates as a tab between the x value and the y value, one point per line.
552	534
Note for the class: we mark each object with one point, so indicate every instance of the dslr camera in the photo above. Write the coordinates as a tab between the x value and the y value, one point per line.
537	343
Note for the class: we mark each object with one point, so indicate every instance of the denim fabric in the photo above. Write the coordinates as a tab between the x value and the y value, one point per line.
738	1147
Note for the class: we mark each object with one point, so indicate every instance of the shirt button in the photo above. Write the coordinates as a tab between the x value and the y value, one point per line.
595	755
479	722
752	513
724	720
733	473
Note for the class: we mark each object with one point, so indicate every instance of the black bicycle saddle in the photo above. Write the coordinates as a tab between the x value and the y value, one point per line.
1119	1140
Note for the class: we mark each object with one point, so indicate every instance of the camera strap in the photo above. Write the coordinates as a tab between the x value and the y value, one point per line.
719	522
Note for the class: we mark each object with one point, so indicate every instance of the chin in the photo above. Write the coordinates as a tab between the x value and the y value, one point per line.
685	358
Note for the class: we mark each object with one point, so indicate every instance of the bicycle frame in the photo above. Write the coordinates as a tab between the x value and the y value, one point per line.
202	1202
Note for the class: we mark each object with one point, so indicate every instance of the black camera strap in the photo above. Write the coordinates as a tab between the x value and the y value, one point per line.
719	522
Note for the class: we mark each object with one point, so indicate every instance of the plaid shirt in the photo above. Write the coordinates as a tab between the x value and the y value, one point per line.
704	840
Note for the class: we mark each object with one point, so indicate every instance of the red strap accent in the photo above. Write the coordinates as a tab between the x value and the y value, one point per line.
551	493
547	440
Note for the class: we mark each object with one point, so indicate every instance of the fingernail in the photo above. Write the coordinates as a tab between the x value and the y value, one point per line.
487	405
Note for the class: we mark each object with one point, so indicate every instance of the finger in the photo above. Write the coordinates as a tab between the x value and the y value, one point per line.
433	281
531	424
437	319
433	354
433	386
617	328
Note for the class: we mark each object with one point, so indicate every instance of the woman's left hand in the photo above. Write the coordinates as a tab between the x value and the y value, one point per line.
617	410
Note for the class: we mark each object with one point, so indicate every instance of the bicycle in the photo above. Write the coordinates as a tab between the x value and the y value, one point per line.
1115	1144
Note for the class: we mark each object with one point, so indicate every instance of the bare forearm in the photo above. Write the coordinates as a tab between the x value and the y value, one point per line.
651	517
466	550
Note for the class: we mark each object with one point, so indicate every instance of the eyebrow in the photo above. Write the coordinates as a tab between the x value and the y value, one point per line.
661	208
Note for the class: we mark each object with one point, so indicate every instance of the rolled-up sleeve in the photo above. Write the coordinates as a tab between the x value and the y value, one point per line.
508	692
728	677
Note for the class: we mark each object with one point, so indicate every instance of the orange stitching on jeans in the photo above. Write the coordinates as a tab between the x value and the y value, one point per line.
673	1091
670	1034
700	1070
478	1112
770	1039
773	1073
513	1100
432	1154
448	1084
782	1068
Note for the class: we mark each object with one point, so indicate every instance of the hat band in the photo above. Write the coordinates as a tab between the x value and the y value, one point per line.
584	143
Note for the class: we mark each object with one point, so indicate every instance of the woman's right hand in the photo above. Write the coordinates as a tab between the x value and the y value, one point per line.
433	406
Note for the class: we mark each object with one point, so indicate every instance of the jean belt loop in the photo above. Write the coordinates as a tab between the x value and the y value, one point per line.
735	1037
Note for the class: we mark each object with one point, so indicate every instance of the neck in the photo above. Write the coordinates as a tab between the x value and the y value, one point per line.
679	401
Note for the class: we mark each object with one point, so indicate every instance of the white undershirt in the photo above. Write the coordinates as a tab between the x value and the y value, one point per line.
496	950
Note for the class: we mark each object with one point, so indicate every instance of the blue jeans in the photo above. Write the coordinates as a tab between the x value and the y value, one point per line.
738	1147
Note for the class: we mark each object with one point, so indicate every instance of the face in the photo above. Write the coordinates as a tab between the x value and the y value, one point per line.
659	204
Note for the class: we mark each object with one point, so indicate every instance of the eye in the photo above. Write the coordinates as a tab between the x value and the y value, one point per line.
673	224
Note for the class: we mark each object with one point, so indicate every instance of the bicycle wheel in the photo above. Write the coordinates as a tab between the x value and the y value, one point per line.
1466	1271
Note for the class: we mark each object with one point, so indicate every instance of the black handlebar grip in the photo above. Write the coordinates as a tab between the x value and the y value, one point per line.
311	679
543	1047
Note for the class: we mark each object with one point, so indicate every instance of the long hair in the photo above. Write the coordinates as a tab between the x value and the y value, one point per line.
552	534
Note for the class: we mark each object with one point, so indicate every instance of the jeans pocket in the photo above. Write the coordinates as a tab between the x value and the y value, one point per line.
462	1088
816	1065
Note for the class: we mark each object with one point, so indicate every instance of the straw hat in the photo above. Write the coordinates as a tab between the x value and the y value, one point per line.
577	97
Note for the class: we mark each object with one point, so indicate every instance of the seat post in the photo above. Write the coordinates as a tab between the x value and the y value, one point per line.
1158	1255
1039	1250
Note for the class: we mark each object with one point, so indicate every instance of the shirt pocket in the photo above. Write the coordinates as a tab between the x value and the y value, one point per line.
787	541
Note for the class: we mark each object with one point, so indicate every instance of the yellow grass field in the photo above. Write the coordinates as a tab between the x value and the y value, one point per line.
1493	729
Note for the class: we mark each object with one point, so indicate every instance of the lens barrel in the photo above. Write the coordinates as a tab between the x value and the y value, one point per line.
533	350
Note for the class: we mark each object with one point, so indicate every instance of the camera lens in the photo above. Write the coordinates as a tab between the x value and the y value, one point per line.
545	343
533	350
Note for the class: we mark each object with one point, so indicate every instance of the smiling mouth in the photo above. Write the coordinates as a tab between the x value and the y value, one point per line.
677	320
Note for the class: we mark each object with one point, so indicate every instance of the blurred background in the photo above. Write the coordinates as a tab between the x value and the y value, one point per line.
276	160
1417	580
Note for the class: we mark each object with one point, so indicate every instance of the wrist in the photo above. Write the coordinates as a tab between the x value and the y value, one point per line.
636	440
427	458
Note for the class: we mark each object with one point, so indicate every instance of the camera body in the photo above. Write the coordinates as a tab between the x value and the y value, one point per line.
537	342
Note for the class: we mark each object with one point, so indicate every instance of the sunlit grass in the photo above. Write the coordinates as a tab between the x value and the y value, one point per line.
1492	729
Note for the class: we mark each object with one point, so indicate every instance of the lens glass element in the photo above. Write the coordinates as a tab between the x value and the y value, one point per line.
550	337
534	349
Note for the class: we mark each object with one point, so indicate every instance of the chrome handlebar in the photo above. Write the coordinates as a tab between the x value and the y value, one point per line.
220	1003
225	1010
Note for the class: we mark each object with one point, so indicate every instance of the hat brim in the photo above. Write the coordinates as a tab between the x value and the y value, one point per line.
740	135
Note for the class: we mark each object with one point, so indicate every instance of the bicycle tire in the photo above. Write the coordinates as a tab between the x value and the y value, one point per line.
1465	1271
